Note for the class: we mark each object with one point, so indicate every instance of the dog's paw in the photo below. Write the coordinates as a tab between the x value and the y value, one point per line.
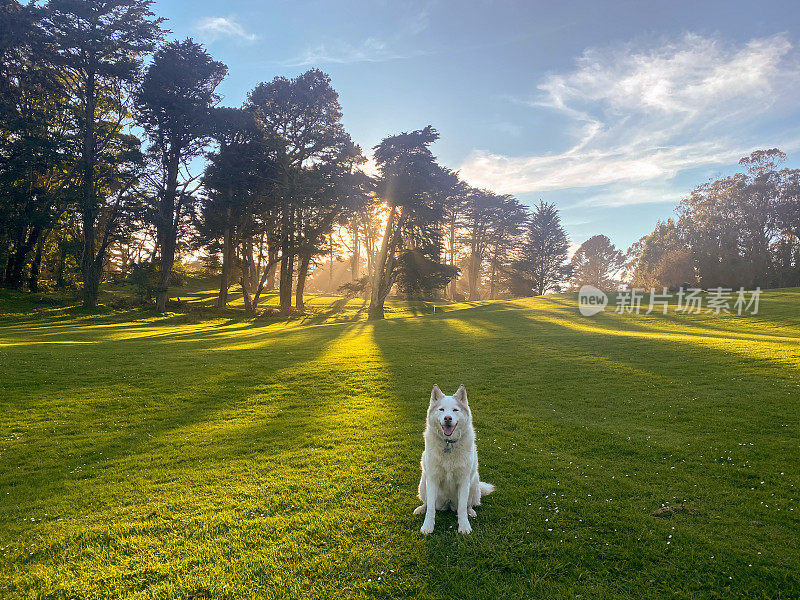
471	512
420	510
464	528
426	528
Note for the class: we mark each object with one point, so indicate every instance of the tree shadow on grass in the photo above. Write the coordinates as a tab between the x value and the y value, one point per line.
602	399
125	384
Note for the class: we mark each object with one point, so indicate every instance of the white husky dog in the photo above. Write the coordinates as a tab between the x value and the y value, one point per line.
450	461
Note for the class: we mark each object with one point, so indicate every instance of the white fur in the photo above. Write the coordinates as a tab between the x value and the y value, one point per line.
450	462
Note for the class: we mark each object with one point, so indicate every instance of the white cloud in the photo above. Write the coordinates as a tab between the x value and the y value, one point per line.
616	195
410	24
370	50
589	168
645	114
684	77
213	28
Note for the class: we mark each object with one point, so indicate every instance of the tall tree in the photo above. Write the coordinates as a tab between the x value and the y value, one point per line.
787	248
542	264
239	203
481	211
34	141
731	224
304	116
409	176
328	193
660	259
454	208
173	105
100	45
596	263
422	269
506	240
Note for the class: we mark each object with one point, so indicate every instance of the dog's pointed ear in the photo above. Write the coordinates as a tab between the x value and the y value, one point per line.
436	394
461	394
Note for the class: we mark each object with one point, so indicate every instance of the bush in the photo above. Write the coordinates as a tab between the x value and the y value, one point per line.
145	277
353	289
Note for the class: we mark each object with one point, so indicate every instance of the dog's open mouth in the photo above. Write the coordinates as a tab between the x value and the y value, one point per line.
448	428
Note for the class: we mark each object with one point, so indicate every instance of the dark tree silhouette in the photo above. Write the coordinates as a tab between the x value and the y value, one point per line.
173	105
409	177
100	44
239	203
542	263
303	114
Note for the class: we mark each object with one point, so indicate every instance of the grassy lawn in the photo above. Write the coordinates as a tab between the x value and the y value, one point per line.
192	457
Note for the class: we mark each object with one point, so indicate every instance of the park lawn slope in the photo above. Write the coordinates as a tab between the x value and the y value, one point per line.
192	457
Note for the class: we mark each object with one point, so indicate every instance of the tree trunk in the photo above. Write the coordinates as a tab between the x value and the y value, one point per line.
287	255
249	307
472	274
91	274
249	279
454	283
16	265
168	224
494	275
302	274
61	266
269	268
287	263
222	300
165	272
330	272
355	259
384	266
36	265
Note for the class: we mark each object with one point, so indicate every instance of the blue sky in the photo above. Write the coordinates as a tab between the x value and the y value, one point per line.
612	110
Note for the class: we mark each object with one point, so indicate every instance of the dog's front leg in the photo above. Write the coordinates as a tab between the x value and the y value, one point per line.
430	502
463	497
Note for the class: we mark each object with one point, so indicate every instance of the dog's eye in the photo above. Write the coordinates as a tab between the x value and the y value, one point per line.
455	410
441	409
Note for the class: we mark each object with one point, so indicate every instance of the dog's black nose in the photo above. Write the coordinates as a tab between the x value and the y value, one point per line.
448	418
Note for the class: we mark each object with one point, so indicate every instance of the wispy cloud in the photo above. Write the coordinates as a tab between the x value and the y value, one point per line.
618	194
211	29
645	114
378	48
370	50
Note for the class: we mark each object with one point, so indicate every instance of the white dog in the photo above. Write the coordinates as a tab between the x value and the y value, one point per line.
450	461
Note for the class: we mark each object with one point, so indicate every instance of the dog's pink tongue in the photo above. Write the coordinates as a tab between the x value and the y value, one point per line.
448	429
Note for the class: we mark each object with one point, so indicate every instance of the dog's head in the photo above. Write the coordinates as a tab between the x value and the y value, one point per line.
446	412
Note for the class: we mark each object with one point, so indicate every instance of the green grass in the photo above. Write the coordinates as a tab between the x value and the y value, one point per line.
191	457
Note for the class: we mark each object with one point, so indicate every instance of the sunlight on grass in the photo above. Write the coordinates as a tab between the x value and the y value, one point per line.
207	456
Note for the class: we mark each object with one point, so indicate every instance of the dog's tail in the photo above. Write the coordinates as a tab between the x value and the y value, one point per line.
486	488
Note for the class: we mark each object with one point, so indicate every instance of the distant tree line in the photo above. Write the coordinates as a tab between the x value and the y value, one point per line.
739	231
117	162
267	194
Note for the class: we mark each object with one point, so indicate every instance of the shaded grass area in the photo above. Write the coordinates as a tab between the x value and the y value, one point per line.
170	457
